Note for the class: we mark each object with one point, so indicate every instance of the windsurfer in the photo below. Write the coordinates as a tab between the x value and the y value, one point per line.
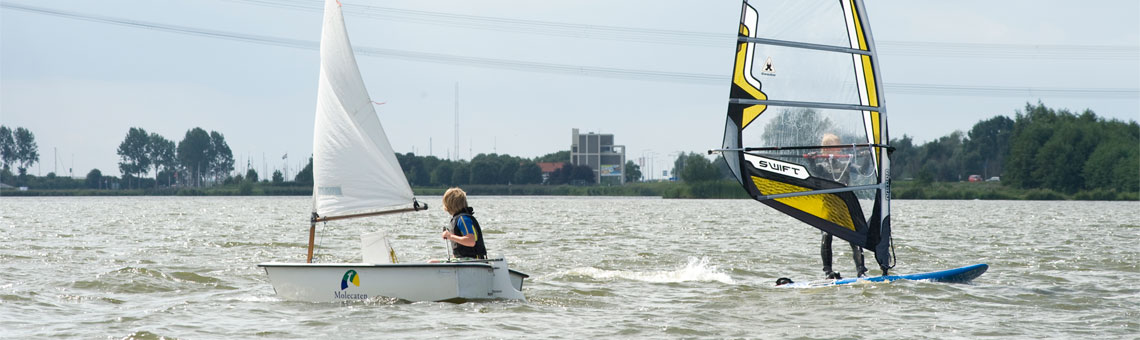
463	232
838	173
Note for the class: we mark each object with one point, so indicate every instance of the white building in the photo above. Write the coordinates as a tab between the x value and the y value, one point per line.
599	153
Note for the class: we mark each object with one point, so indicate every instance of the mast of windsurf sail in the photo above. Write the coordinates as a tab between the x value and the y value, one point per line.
355	170
806	71
884	250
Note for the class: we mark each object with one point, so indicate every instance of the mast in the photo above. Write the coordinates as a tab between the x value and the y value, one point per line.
456	138
884	249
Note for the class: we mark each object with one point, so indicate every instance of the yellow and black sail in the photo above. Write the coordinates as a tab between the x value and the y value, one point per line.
806	130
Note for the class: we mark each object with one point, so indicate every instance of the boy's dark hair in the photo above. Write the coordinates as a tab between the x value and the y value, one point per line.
783	281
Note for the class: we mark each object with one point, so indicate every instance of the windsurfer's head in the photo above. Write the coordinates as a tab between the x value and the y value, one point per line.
829	139
454	201
783	281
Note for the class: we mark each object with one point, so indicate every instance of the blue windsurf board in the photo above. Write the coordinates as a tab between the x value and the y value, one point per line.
956	275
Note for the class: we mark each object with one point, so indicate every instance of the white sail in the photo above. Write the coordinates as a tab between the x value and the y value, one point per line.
354	167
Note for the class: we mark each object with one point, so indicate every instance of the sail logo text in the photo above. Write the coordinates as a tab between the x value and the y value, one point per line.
772	165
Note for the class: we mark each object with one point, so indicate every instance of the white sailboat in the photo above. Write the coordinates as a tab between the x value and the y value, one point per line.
356	174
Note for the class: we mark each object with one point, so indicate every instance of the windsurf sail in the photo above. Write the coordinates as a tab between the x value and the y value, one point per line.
806	130
355	170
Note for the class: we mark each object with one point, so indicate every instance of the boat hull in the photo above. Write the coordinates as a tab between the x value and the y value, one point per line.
453	281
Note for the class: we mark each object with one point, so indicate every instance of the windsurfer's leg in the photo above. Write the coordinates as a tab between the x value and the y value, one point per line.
825	253
857	255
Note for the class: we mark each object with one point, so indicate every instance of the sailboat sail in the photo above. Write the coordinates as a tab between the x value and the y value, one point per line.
806	130
354	167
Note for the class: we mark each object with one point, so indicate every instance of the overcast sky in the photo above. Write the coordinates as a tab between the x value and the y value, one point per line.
653	73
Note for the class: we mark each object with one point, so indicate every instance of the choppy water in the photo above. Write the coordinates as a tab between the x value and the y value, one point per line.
154	267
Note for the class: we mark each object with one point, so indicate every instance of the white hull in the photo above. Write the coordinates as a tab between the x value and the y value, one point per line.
456	281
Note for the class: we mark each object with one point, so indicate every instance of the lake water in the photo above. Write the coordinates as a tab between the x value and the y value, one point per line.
150	267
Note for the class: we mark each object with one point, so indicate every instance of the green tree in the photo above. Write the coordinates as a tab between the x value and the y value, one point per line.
572	174
508	167
7	147
221	159
1113	166
989	139
484	170
555	157
27	153
251	175
133	153
582	174
160	151
305	176
278	177
943	157
414	169
697	168
194	153
904	162
441	174
528	173
460	174
632	172
1067	152
94	178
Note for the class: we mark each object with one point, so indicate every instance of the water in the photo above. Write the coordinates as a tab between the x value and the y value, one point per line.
150	267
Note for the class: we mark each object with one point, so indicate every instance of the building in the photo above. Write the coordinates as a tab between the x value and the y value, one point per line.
549	168
599	153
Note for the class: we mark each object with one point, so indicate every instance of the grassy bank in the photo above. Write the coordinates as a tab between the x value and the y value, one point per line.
996	191
723	189
716	189
244	189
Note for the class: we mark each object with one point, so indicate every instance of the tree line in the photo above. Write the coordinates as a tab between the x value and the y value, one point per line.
198	156
1040	148
494	168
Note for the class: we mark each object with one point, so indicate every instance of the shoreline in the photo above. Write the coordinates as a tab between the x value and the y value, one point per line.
703	190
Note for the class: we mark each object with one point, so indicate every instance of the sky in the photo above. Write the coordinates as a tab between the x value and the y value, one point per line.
653	73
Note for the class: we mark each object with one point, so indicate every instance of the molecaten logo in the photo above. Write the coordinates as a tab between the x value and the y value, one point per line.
349	276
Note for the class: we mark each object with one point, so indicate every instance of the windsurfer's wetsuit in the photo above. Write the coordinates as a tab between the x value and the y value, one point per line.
463	224
842	173
825	253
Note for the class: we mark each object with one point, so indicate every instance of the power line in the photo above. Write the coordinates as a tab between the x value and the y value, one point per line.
593	71
538	27
688	38
1012	91
579	70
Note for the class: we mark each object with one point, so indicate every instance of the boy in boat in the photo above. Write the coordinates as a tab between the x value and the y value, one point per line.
463	233
826	162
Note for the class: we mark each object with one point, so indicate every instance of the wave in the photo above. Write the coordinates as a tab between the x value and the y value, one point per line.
698	270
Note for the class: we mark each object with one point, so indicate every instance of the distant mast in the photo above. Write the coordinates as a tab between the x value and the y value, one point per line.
456	121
